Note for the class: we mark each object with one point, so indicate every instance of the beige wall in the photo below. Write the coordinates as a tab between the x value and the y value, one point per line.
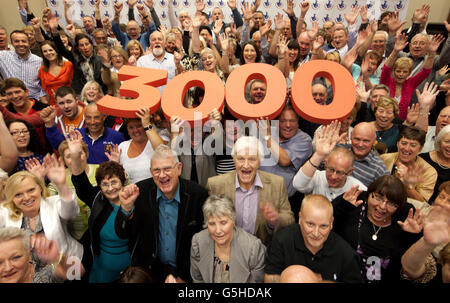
438	12
9	14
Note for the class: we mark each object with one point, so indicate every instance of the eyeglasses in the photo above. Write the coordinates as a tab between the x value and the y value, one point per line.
113	183
331	170
116	56
167	170
20	132
421	43
379	199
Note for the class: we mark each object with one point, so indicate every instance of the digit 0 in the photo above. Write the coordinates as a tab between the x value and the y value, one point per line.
344	93
274	100
173	95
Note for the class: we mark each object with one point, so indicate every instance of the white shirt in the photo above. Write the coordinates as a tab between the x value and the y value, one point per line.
318	184
137	168
167	63
429	140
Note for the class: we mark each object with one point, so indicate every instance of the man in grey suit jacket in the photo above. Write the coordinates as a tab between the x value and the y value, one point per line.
260	198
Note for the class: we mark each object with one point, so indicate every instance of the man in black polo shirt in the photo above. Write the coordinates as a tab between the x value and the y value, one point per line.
311	243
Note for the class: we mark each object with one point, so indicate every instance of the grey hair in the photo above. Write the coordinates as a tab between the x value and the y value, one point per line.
164	151
248	142
386	35
217	206
344	152
11	233
442	133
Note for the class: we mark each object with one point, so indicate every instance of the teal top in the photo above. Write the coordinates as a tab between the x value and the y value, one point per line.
114	255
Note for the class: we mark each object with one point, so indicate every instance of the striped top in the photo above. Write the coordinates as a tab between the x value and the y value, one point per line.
13	66
368	169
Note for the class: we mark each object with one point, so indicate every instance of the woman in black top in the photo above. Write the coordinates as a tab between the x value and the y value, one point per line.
379	224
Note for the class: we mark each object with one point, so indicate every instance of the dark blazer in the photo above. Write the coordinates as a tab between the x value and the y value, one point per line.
142	227
75	57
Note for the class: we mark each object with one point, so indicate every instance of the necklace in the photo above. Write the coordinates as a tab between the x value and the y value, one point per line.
438	160
374	236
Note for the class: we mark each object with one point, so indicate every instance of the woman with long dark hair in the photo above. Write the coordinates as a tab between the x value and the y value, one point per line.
55	71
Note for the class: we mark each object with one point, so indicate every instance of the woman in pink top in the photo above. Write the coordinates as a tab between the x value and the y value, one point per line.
399	84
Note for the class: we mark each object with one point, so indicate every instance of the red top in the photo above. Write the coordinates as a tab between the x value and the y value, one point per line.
51	83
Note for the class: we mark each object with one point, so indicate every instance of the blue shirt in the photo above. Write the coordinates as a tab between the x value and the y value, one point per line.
97	147
144	39
299	149
167	234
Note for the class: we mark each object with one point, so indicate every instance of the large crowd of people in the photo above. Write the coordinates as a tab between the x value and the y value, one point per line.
95	198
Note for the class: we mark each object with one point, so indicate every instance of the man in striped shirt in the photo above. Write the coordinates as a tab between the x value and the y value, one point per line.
368	166
22	64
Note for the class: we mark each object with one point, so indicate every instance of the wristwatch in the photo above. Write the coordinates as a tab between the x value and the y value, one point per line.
148	127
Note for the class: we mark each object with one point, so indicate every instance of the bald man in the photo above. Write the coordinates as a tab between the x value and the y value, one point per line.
311	243
99	139
368	166
298	274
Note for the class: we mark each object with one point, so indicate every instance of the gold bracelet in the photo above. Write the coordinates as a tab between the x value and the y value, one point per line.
56	263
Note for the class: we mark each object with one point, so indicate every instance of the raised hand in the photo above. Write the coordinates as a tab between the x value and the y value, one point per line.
149	4
231	4
434	43
247	10
436	227
176	125
68	3
304	8
118	6
55	169
428	95
224	42
36	23
264	29
163	29
114	153
413	114
328	137
282	45
361	93
45	249
351	17
196	22
393	23
410	175
35	167
217	27
48	115
215	115
413	223
46	12
53	23
128	196
363	13
132	60
74	141
401	42
318	43
312	33
144	114
351	195
269	213
279	22
421	14
141	9
443	71
132	3
289	8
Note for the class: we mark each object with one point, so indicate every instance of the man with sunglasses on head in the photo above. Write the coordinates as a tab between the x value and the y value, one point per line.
335	179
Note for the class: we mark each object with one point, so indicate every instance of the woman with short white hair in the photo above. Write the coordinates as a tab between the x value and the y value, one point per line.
223	252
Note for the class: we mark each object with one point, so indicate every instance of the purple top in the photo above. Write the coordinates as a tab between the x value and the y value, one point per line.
246	203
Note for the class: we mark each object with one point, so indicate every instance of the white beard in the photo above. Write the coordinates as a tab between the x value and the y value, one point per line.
157	51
